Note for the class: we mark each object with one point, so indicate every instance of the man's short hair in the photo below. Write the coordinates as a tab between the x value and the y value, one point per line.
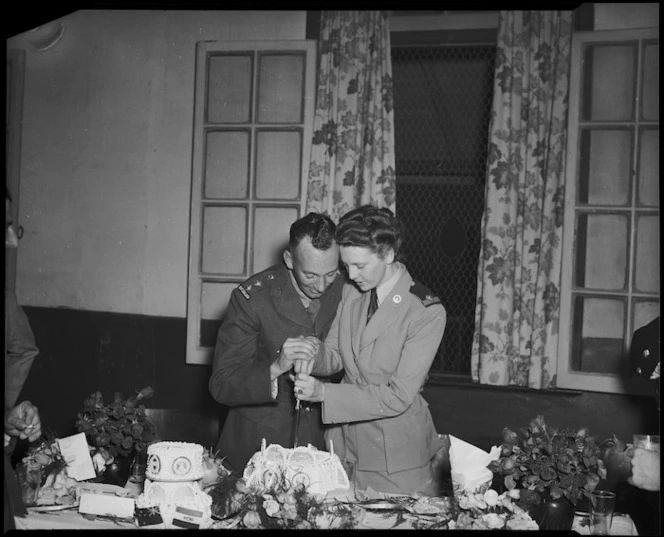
318	227
370	227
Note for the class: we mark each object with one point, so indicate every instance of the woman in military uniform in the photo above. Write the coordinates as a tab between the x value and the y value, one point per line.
380	421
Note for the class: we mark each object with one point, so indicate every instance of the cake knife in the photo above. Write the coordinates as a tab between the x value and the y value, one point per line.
298	409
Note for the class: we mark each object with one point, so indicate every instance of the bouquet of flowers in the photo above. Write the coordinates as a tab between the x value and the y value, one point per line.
491	511
281	506
44	465
548	463
120	428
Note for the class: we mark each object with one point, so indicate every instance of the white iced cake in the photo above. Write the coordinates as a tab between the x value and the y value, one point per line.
174	461
320	471
172	485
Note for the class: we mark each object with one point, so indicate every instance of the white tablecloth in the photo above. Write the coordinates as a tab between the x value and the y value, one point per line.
72	519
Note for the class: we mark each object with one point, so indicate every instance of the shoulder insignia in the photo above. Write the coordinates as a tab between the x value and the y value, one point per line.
424	294
244	292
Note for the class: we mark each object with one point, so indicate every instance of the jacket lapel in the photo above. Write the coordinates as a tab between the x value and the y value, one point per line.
287	302
389	311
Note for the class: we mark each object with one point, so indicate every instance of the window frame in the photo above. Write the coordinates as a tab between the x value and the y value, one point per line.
567	378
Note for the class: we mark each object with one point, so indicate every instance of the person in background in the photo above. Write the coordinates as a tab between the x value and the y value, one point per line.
644	359
20	347
21	421
385	337
297	300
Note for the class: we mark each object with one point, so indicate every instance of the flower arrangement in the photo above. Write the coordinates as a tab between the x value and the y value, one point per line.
491	511
281	506
120	428
44	463
547	463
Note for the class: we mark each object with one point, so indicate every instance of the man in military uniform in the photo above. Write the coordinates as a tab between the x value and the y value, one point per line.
252	361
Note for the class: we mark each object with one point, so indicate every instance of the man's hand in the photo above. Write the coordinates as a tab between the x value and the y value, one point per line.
295	352
645	469
23	421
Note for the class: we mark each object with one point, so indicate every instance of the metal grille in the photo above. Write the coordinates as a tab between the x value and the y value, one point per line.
442	107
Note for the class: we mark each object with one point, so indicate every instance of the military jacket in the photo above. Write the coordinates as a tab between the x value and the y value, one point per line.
382	419
262	313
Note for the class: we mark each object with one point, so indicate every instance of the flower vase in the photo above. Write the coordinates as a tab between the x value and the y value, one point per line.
554	514
118	472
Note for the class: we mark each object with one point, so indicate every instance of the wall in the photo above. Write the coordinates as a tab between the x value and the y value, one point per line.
106	155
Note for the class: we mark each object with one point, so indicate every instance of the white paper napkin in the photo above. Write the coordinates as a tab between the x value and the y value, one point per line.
468	465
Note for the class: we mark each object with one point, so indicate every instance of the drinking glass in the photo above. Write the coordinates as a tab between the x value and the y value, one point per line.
602	505
647	441
29	481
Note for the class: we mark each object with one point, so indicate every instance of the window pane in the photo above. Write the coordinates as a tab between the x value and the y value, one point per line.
609	82
227	164
647	254
649	168
601	255
224	253
604	167
214	300
229	88
651	82
598	347
644	312
278	164
271	227
280	88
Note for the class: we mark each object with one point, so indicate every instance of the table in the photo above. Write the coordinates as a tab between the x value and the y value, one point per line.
71	519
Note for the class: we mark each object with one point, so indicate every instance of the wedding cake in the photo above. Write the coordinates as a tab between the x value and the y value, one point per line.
320	471
172	484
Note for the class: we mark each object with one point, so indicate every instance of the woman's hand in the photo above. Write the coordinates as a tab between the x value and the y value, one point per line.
308	388
23	421
645	469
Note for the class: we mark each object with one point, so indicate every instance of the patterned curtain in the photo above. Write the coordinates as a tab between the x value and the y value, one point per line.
352	154
518	297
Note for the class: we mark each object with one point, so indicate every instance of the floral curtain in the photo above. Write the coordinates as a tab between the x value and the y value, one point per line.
518	297
352	154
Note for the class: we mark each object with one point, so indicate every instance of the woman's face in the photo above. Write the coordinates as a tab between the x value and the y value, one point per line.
366	268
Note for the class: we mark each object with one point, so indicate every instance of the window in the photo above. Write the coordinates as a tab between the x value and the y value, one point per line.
442	107
253	118
611	235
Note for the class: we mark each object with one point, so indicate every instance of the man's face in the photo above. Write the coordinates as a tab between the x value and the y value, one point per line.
11	240
314	270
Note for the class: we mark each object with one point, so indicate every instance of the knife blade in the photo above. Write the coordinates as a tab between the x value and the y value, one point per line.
298	409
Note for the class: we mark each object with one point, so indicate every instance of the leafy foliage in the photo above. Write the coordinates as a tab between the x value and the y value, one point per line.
549	463
121	427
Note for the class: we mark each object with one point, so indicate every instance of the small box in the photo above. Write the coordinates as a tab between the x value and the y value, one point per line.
107	500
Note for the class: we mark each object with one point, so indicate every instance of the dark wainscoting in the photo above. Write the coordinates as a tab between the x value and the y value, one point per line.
83	351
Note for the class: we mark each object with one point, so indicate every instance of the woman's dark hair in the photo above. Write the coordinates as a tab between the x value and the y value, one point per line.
372	228
318	227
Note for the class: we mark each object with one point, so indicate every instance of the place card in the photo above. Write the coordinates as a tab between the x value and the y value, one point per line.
76	453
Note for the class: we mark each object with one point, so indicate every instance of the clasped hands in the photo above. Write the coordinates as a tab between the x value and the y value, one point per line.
299	354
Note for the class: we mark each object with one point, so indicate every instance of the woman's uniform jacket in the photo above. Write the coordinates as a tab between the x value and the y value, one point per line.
262	313
385	422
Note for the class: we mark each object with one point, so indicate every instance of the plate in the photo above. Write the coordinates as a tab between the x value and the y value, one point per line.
56	507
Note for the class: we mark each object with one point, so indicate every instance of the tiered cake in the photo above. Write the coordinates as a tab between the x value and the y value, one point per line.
172	484
321	472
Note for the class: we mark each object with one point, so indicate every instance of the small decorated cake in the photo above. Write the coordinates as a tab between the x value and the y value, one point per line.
172	496
174	461
321	472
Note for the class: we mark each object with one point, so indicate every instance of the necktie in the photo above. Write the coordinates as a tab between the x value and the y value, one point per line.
373	304
312	310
